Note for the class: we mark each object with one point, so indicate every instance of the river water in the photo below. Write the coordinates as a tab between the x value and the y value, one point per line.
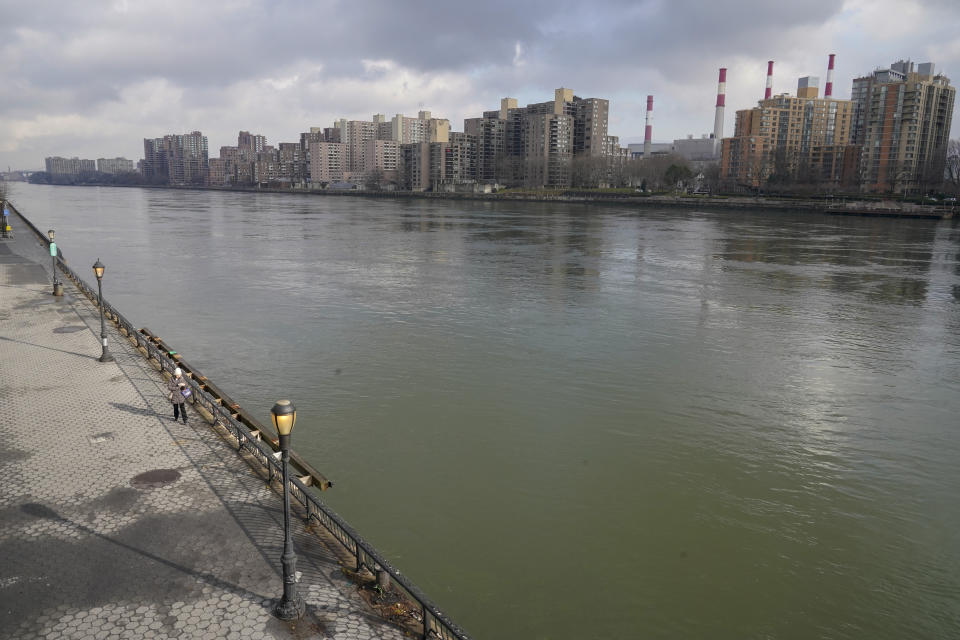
584	421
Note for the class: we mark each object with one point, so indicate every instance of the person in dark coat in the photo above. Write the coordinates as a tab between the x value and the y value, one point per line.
176	385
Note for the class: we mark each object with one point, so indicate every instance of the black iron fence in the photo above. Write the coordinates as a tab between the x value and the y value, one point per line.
261	445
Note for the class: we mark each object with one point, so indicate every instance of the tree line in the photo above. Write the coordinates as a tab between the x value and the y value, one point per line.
93	178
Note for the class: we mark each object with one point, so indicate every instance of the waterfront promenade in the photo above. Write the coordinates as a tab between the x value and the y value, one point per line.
116	521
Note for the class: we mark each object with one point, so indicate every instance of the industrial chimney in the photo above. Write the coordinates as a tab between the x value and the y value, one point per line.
721	102
648	132
828	90
769	91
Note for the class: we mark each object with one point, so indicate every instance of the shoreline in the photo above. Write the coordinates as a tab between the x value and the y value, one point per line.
848	207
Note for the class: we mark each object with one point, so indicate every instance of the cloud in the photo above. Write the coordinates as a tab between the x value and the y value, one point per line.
94	78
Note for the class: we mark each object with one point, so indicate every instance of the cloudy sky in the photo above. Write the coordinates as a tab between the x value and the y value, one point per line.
93	78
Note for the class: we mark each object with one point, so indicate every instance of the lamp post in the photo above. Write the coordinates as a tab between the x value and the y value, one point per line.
98	269
57	286
290	606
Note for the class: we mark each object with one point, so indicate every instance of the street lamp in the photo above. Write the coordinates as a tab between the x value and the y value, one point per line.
57	286
98	269
290	606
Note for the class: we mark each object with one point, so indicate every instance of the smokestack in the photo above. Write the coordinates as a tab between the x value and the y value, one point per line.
769	91
648	132
828	90
721	102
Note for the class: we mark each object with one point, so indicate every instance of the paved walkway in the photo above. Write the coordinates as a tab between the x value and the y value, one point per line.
90	548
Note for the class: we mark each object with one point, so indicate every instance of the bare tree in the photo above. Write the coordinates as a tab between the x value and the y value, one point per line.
711	177
374	179
952	168
617	171
588	171
930	173
653	170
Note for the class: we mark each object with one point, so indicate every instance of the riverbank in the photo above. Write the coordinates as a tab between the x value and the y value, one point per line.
839	205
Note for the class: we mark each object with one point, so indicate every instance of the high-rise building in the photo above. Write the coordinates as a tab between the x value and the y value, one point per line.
69	166
798	139
902	123
415	166
217	172
355	134
250	143
266	166
176	159
548	149
381	155
327	161
114	165
155	160
453	162
292	163
534	145
490	134
590	128
423	128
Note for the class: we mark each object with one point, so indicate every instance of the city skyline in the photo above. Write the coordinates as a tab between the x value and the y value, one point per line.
93	81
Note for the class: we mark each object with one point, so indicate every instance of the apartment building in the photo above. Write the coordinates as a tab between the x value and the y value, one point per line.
793	138
490	133
548	149
461	158
218	173
423	128
250	144
534	145
381	155
114	165
266	166
902	123
328	162
292	163
590	127
355	134
415	166
176	159
453	162
69	166
316	134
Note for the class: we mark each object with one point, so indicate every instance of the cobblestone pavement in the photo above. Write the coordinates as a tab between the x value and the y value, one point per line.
89	547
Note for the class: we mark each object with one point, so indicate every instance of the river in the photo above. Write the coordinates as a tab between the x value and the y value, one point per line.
583	421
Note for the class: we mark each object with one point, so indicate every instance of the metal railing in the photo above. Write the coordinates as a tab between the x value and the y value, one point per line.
250	438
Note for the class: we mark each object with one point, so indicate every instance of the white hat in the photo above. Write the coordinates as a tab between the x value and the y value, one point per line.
177	372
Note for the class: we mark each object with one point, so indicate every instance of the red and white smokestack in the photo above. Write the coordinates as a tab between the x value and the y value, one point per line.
828	91
721	103
648	131
769	92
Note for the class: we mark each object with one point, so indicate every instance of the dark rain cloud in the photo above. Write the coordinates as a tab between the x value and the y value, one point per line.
85	58
60	45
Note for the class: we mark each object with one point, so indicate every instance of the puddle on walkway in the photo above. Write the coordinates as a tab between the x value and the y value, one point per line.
70	329
155	478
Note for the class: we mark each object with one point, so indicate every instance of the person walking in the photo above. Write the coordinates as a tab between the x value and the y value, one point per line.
179	392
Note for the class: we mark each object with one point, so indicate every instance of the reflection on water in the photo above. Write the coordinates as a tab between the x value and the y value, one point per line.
569	421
